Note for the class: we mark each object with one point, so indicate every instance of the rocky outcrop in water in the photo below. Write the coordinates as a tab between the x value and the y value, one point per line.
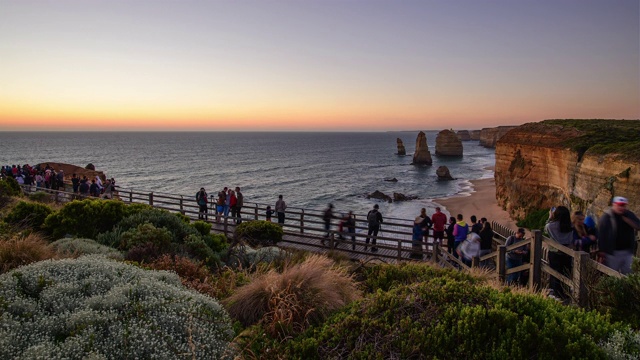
379	195
448	144
403	197
422	156
401	150
464	135
489	136
391	179
443	174
535	169
475	134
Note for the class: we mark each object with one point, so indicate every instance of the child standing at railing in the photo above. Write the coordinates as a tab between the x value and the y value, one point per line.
269	213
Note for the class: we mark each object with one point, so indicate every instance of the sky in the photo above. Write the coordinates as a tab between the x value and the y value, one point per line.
348	65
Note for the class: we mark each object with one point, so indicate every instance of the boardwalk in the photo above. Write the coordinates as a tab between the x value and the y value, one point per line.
304	230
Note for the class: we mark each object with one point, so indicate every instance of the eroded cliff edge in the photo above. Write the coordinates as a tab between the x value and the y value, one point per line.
576	163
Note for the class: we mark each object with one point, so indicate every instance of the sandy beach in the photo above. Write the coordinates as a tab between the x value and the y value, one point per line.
481	203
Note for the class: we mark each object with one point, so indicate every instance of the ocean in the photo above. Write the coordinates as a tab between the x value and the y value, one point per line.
309	169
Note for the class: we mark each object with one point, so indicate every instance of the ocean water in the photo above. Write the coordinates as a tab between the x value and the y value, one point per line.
309	169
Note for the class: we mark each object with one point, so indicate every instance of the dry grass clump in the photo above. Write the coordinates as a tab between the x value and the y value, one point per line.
195	275
19	251
288	302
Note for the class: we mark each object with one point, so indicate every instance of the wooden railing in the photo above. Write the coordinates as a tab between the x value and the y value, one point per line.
305	228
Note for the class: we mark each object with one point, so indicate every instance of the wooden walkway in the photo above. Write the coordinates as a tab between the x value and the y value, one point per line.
304	230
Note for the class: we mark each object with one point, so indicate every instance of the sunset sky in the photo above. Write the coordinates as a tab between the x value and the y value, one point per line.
315	65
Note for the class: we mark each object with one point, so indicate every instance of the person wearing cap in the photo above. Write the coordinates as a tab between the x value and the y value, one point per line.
514	257
617	235
374	219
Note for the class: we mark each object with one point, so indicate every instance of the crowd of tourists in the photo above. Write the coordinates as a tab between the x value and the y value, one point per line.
48	178
228	201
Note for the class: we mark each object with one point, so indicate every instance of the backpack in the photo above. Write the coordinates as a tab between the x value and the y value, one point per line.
372	217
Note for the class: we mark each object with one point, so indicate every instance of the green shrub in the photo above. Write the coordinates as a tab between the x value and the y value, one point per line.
28	214
93	307
622	345
385	277
145	233
445	318
77	246
40	196
10	187
89	217
160	219
619	297
258	233
217	242
635	265
203	227
244	257
534	220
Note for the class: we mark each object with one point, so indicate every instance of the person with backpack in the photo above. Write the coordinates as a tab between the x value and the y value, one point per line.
201	199
374	219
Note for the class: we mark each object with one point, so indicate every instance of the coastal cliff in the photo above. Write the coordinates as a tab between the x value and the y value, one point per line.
489	136
581	164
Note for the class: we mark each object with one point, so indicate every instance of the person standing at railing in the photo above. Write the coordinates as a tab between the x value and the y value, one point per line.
450	237
559	229
416	238
239	205
84	186
350	224
75	182
426	224
514	257
374	219
233	202
222	195
326	217
281	206
460	232
94	189
617	235
439	220
201	200
227	201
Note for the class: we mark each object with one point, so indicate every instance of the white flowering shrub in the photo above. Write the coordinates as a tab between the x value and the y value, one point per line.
93	307
623	345
77	246
246	257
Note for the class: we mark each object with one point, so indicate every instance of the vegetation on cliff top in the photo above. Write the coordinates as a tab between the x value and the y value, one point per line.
604	137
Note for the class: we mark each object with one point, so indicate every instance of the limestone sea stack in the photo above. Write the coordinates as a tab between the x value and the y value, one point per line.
475	134
448	144
422	156
401	149
464	135
443	173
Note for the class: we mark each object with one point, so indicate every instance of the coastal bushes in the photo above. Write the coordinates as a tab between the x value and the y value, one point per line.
28	214
619	297
10	187
79	246
23	250
88	218
258	233
448	318
93	307
535	220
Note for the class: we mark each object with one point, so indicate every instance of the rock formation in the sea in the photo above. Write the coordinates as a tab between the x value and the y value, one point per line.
391	179
464	135
475	134
560	162
90	166
448	144
379	195
422	156
403	197
401	150
443	173
489	136
69	170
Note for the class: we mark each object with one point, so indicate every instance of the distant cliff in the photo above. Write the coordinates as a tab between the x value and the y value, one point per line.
489	136
577	163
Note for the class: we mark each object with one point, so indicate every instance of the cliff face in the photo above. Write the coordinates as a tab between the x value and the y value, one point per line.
534	171
489	136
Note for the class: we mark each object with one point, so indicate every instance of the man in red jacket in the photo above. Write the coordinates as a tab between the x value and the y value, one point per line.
439	220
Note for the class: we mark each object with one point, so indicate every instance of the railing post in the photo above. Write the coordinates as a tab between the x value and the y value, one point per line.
302	222
475	262
181	204
399	249
56	197
535	274
501	263
436	250
256	212
130	196
225	229
151	198
332	240
580	262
